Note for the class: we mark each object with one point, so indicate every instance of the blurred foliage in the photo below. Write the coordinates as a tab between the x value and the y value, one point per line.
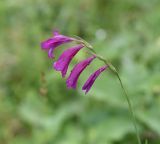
35	105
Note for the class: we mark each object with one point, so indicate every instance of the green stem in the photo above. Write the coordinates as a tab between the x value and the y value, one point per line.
113	69
130	108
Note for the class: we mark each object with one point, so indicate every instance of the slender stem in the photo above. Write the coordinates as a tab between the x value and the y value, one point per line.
113	69
128	101
130	108
146	141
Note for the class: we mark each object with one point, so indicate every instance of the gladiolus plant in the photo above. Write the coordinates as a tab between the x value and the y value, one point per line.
66	57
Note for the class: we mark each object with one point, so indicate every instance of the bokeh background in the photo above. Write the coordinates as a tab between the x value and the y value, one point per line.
35	105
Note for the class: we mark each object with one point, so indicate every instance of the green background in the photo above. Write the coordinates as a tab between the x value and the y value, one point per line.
35	105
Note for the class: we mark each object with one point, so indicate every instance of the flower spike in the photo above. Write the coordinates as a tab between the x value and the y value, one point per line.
64	60
77	70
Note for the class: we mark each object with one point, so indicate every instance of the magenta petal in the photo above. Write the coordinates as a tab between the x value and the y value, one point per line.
54	42
50	53
90	81
46	44
77	70
55	32
64	60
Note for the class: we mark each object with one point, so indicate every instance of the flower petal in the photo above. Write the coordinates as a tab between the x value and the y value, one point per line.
55	32
54	42
64	60
77	70
47	44
50	53
90	81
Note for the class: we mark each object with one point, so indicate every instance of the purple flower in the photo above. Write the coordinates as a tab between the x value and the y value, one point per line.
77	70
57	40
90	81
64	60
